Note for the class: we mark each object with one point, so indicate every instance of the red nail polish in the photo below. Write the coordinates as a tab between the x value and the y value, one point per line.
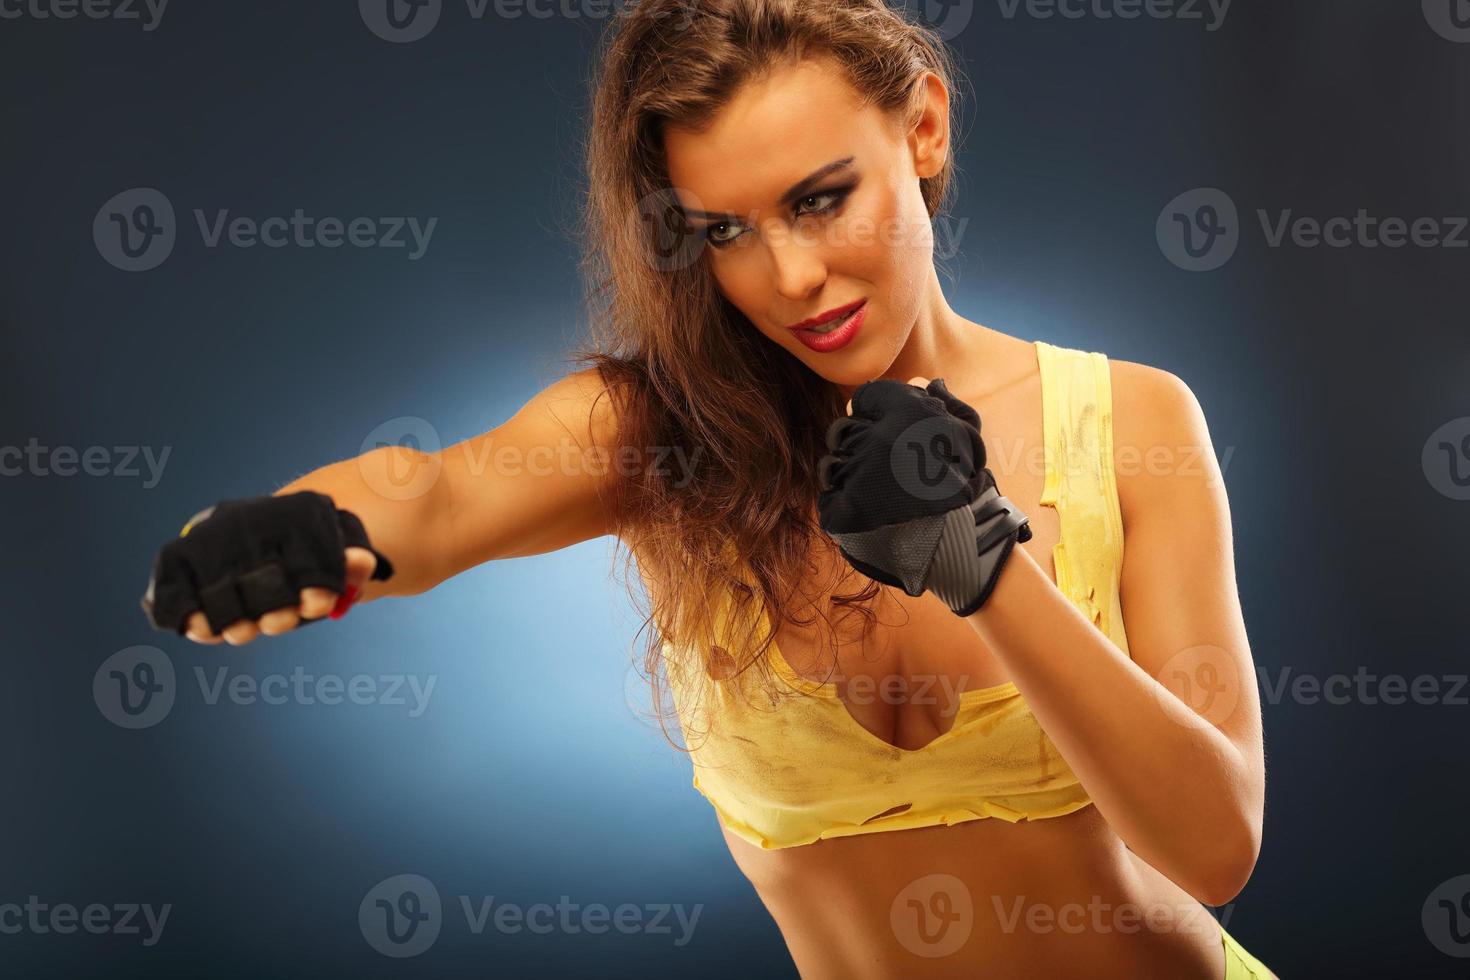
344	602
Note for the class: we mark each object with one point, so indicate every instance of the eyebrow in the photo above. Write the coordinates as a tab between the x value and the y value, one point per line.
797	191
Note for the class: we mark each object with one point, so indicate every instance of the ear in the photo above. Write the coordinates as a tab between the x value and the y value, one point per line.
929	138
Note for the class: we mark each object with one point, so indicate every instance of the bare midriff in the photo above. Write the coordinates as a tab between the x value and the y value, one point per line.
1061	897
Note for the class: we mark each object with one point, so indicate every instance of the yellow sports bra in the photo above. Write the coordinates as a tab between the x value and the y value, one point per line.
804	769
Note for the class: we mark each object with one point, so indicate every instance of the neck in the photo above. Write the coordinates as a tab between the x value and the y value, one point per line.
942	344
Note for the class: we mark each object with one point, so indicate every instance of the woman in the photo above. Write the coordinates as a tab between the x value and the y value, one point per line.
760	171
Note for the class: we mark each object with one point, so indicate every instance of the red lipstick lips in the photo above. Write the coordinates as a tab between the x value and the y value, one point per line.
852	316
822	318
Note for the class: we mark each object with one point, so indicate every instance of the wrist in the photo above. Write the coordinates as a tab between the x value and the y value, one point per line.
974	549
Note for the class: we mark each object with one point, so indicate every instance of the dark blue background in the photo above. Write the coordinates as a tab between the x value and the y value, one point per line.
530	777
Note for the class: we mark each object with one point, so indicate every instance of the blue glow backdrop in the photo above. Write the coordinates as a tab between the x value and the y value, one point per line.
529	777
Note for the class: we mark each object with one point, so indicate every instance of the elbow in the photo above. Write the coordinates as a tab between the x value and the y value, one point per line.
1230	871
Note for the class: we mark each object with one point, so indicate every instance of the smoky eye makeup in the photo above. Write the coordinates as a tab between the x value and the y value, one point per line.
722	234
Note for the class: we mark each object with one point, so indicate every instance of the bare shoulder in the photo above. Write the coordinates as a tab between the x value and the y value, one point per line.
584	404
1160	435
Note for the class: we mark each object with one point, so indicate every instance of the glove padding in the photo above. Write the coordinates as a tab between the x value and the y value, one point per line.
243	558
907	496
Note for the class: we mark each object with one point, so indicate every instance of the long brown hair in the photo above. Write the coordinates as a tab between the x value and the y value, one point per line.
687	371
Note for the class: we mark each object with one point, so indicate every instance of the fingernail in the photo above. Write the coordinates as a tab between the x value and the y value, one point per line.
344	602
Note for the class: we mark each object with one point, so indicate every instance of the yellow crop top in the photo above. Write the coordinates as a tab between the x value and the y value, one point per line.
805	769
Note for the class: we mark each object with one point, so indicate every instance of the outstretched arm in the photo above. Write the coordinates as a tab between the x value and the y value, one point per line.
523	488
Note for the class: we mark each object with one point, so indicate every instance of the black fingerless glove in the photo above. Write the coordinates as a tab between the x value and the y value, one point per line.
242	558
906	494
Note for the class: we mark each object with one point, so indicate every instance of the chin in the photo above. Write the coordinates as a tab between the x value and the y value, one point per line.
851	373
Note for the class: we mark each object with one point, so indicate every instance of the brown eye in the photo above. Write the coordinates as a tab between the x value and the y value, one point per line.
838	195
717	240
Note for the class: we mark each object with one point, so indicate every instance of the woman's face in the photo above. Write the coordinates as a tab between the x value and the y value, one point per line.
807	202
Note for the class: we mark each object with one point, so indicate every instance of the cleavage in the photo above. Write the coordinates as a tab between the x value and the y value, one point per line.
901	680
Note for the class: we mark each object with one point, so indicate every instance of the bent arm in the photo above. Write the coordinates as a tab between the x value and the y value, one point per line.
1167	741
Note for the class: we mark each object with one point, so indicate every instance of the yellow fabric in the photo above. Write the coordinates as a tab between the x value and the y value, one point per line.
791	769
1239	964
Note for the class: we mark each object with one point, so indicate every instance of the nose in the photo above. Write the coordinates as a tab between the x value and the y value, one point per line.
797	262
